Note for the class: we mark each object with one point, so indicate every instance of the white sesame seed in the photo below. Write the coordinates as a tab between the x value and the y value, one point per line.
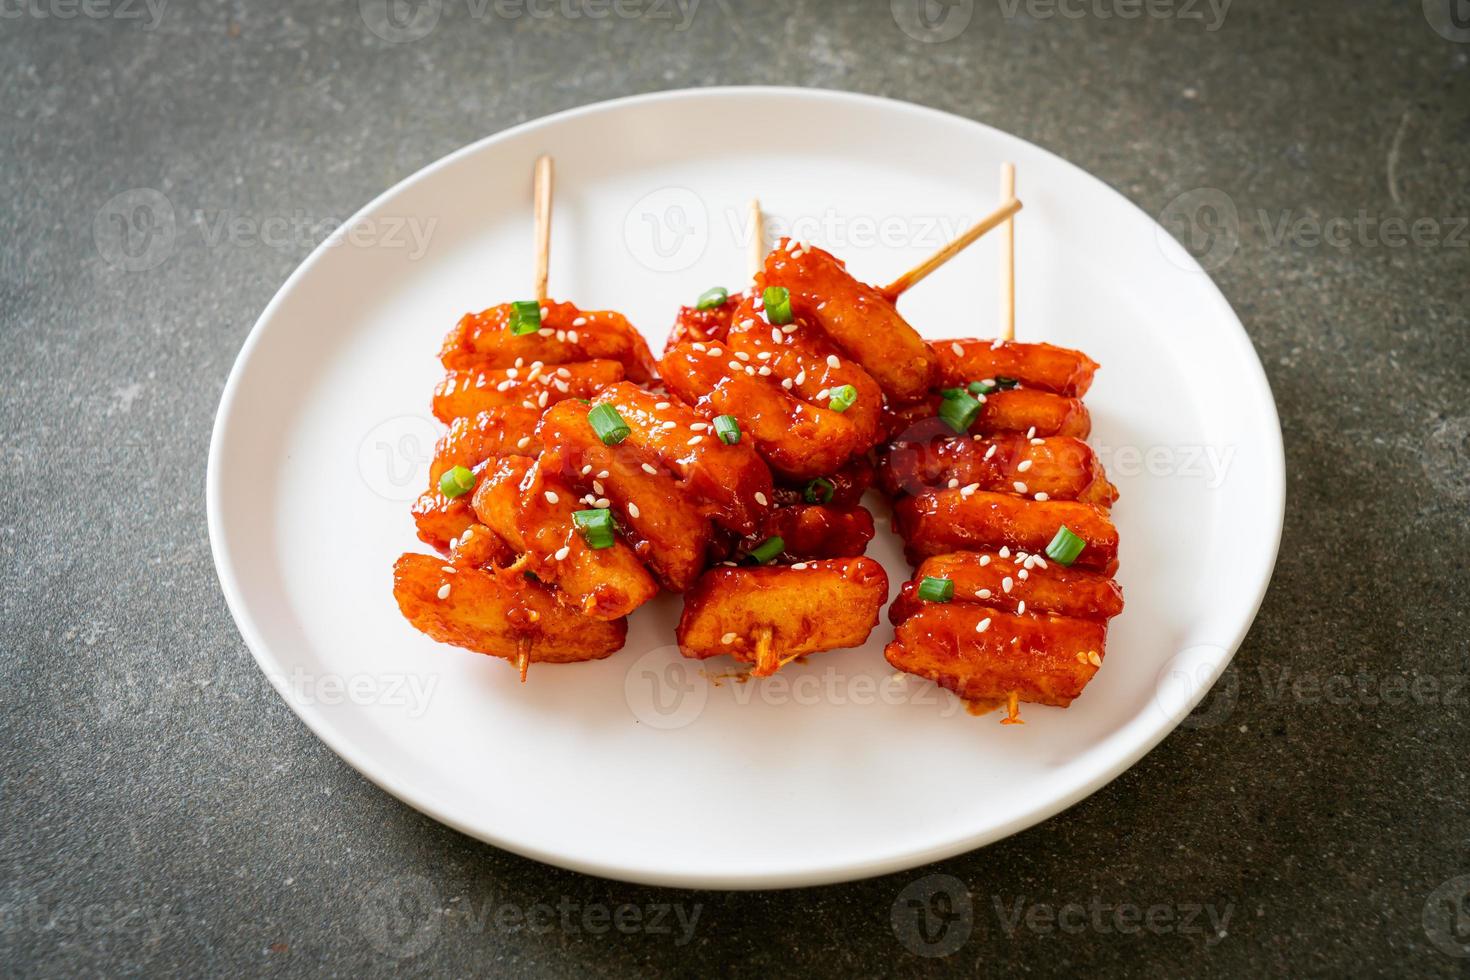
1031	432
790	328
1023	575
603	475
523	442
562	372
649	469
545	332
660	405
632	510
734	366
1038	442
671	424
698	427
1005	552
561	386
991	451
823	393
466	535
696	440
551	497
983	625
983	594
587	469
561	335
760	498
511	372
698	346
579	321
764	372
444	591
715	352
562	552
740	355
969	489
597	487
541	399
1042	496
953	483
833	362
750	371
957	350
984	560
764	355
1006	585
1025	465
504	385
799	565
601	503
728	638
447	569
801	376
1021	607
786	383
1020	487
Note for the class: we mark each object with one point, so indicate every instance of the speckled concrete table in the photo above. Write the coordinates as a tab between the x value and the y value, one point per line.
163	810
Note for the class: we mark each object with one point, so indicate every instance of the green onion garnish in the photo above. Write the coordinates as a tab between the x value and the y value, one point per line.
711	298
819	491
456	482
1065	547
611	428
981	387
525	317
933	589
951	392
1004	383
727	427
959	411
777	300
767	549
596	526
842	398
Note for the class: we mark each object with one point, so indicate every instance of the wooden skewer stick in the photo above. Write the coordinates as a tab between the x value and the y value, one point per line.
1008	257
757	238
523	656
541	195
765	655
899	286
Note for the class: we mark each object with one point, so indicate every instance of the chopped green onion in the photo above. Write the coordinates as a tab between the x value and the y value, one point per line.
596	526
933	589
456	482
842	398
768	549
959	411
951	392
727	427
981	387
611	428
711	298
525	317
1065	547
819	491
777	300
1004	383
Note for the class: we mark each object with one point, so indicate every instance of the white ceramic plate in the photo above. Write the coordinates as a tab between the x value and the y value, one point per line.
644	766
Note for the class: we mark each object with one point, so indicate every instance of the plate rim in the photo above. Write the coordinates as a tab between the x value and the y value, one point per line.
1119	762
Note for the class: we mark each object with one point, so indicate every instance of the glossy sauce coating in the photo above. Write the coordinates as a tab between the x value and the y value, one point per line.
811	531
706	326
1043	659
858	318
729	482
469	392
1044	366
663	524
1023	410
484	340
810	607
497	613
531	511
438	519
1044	586
508	430
943	521
1061	467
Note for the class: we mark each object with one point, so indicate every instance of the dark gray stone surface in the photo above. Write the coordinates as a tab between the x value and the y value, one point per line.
164	812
